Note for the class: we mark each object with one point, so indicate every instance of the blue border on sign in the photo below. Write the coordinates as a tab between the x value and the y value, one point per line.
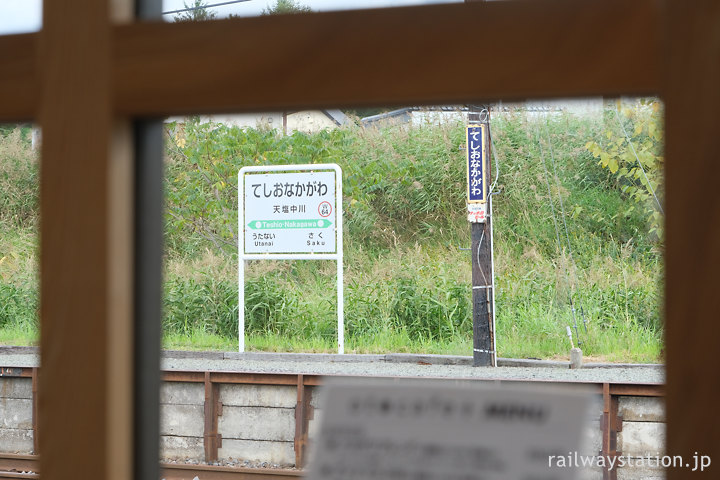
475	163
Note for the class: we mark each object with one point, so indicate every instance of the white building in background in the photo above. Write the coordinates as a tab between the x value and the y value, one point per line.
313	121
436	115
307	121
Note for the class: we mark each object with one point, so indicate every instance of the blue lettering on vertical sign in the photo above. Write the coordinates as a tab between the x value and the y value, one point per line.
476	188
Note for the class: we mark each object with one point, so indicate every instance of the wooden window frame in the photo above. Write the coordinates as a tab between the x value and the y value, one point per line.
92	70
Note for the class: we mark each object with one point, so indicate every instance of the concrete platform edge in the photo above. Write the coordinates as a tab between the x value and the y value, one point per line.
422	359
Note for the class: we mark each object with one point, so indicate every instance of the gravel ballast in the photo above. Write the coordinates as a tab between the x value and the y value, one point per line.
391	365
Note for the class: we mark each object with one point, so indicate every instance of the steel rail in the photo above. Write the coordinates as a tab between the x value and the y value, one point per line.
213	472
14	466
17	475
27	467
644	389
18	463
652	389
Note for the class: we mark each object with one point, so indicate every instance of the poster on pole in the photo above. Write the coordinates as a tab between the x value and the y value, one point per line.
477	212
291	212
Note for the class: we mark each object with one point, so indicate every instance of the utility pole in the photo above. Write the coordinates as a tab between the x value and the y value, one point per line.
478	181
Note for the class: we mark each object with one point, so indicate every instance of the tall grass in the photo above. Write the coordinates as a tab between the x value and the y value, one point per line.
407	283
18	237
18	180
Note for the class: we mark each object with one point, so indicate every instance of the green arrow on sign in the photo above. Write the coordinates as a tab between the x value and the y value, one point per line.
285	224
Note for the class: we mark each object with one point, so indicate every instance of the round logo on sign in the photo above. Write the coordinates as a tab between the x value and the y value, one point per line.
325	209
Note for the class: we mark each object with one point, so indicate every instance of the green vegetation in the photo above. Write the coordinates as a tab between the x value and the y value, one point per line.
634	155
18	239
197	11
407	283
286	6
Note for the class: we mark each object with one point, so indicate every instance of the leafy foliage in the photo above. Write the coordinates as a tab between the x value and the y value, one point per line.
203	160
636	159
197	11
286	6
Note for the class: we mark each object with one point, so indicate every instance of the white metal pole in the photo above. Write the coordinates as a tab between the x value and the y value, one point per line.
492	279
241	305
241	262
340	250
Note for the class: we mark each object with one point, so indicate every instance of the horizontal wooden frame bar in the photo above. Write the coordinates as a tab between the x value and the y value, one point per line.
18	77
436	54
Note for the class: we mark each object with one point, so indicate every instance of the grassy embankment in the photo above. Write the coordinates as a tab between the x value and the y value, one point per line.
407	281
18	238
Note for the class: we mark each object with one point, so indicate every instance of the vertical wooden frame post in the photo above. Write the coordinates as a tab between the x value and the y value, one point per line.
86	238
692	99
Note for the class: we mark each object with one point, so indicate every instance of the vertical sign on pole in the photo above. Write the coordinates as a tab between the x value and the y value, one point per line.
476	173
478	166
290	212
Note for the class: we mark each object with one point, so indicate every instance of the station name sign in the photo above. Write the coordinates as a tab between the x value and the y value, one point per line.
291	212
476	164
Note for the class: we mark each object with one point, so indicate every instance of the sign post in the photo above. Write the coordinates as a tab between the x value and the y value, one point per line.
478	177
290	212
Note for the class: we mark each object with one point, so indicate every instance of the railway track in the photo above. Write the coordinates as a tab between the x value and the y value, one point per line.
296	401
28	466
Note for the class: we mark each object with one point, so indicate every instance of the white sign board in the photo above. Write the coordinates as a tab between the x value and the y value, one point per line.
290	212
437	431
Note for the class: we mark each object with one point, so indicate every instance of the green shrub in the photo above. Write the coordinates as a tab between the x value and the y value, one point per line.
18	306
207	305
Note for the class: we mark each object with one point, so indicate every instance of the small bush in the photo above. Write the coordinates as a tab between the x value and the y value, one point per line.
18	306
207	305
